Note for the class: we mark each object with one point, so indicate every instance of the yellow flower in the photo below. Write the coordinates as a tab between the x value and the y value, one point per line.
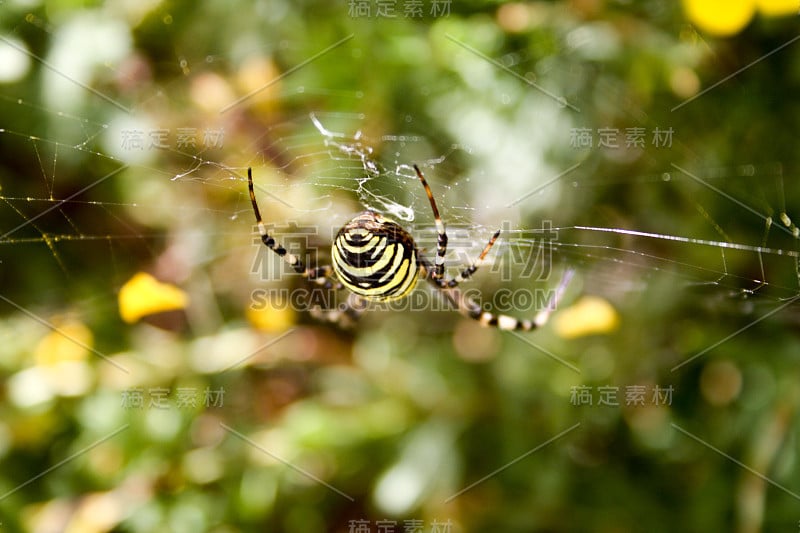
69	342
724	18
271	319
589	315
778	8
720	17
143	295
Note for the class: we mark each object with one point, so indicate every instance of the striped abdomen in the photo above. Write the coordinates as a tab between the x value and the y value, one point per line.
375	258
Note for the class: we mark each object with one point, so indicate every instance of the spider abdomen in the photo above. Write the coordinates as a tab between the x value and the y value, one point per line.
375	258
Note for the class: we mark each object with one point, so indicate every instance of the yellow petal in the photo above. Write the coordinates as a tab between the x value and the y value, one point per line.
70	341
590	315
719	17
143	295
778	8
256	77
271	319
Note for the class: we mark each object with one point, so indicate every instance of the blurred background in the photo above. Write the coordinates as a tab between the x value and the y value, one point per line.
158	371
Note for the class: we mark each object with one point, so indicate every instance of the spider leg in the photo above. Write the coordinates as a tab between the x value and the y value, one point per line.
470	270
441	241
292	260
323	277
469	308
345	314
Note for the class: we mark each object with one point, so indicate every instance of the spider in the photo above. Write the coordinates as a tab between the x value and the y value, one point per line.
375	259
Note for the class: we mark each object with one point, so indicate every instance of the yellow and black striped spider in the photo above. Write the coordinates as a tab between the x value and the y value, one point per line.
377	260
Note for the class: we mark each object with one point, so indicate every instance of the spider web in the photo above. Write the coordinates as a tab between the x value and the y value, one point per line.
320	168
182	210
86	207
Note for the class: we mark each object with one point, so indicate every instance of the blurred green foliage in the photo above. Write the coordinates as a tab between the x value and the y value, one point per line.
276	422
